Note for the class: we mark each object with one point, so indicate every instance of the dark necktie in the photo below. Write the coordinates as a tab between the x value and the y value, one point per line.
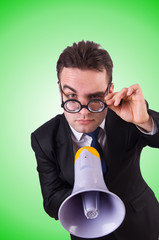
97	146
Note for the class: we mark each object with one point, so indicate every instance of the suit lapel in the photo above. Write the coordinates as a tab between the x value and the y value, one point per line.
65	154
117	138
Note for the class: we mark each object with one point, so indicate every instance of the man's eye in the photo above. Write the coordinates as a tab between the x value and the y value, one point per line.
72	95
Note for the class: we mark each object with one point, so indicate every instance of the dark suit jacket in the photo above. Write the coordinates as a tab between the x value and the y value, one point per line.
53	147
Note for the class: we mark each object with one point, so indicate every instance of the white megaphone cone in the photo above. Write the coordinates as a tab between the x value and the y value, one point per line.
91	211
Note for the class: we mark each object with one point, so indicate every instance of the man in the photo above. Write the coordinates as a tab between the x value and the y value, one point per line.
126	126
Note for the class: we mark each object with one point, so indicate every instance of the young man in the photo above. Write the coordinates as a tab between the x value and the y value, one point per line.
126	126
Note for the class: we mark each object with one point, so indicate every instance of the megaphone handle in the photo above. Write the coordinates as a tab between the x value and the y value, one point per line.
90	201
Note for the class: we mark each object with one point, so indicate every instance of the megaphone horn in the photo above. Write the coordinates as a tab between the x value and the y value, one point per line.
91	210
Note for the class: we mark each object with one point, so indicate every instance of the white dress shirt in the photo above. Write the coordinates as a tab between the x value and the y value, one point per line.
82	139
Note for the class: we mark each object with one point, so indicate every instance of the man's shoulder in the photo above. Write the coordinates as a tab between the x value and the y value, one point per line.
52	127
46	138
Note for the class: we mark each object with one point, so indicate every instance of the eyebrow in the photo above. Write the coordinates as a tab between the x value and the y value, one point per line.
97	93
67	86
90	94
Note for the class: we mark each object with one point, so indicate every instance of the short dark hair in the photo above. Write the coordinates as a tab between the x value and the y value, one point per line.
85	55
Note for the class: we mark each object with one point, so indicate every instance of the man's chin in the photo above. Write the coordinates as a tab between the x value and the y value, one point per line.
85	129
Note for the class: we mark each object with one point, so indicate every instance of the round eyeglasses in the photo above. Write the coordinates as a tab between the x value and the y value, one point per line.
74	106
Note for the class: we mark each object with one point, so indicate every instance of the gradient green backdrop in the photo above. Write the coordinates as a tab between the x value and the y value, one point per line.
32	35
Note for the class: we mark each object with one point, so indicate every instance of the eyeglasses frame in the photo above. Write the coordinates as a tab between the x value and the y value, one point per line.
83	106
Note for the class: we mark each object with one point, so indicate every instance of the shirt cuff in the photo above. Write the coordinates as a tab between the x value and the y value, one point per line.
154	129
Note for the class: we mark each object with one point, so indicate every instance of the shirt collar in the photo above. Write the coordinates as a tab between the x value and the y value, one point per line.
78	135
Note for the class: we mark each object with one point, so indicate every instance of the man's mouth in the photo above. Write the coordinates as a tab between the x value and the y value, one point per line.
84	121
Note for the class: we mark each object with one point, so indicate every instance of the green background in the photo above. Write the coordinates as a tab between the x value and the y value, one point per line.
32	35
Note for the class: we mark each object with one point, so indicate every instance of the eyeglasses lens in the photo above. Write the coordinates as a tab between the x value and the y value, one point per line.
96	106
72	106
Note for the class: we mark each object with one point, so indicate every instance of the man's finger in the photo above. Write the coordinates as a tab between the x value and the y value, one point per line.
121	95
132	89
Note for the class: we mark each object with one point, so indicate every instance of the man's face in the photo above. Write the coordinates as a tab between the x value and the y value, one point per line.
84	85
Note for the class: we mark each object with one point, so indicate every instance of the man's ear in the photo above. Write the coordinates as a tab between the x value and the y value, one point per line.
111	90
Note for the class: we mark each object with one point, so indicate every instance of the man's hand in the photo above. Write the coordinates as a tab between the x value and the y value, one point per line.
133	108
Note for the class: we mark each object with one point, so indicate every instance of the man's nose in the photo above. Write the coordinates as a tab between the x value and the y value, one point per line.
84	102
84	111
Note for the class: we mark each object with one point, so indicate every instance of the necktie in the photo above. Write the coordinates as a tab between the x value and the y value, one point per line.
97	146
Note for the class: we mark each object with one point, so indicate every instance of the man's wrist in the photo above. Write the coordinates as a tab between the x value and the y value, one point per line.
147	126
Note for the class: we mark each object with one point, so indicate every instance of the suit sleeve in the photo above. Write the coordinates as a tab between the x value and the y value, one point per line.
152	140
54	190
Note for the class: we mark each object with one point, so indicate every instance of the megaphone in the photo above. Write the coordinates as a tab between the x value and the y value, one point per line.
91	210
